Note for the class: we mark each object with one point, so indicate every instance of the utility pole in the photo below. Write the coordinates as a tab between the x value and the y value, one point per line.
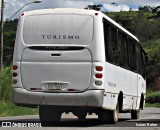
1	36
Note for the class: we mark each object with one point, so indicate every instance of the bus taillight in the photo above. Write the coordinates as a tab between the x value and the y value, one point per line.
14	74
99	76
22	14
99	68
15	67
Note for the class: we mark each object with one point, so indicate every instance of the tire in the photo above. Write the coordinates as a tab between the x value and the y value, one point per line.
135	114
115	114
49	115
109	116
104	116
81	115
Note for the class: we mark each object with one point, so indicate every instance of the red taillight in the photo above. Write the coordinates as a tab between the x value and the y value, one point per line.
14	74
22	14
96	14
99	68
15	67
99	76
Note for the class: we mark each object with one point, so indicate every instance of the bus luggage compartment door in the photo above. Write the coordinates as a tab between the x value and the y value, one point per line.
62	71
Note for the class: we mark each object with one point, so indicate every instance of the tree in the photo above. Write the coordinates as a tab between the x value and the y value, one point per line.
145	8
157	10
113	4
94	7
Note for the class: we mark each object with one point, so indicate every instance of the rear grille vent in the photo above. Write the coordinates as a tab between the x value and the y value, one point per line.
55	48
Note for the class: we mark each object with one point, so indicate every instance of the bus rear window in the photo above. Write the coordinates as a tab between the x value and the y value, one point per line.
58	29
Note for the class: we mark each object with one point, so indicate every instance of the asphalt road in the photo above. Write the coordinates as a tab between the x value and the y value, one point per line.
149	118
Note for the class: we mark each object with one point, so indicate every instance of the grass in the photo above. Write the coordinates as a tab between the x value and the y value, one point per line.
9	109
152	105
6	83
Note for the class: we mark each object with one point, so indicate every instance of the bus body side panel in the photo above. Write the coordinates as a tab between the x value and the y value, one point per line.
118	80
141	89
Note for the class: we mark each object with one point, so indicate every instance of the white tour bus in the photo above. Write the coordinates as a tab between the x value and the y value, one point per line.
79	61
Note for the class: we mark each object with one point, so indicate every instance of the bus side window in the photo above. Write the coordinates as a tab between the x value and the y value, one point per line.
139	60
119	47
143	64
114	41
107	40
123	51
132	55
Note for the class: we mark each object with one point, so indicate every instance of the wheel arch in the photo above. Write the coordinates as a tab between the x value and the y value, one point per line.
142	101
120	101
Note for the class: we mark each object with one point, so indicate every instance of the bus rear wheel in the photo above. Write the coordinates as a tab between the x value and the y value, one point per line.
80	114
49	115
135	114
110	116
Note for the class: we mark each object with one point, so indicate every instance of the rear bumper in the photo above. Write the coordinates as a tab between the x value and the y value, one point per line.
89	98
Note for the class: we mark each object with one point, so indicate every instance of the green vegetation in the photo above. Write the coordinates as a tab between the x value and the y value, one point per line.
152	47
152	105
5	84
9	109
153	97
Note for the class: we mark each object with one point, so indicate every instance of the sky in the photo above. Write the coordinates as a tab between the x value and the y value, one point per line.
11	6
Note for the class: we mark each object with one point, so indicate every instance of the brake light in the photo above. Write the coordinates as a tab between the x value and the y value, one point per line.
22	14
99	76
15	67
14	74
99	68
96	14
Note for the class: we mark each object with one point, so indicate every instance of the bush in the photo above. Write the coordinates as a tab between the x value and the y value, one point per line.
6	84
153	97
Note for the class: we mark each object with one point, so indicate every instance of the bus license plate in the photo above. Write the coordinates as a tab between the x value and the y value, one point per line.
56	86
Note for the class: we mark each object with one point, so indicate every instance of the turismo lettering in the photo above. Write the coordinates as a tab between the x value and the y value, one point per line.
72	37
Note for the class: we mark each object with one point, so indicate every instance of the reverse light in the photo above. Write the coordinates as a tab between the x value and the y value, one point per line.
98	83
14	81
99	68
99	76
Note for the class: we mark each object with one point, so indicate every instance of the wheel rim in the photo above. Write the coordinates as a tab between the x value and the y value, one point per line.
116	113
